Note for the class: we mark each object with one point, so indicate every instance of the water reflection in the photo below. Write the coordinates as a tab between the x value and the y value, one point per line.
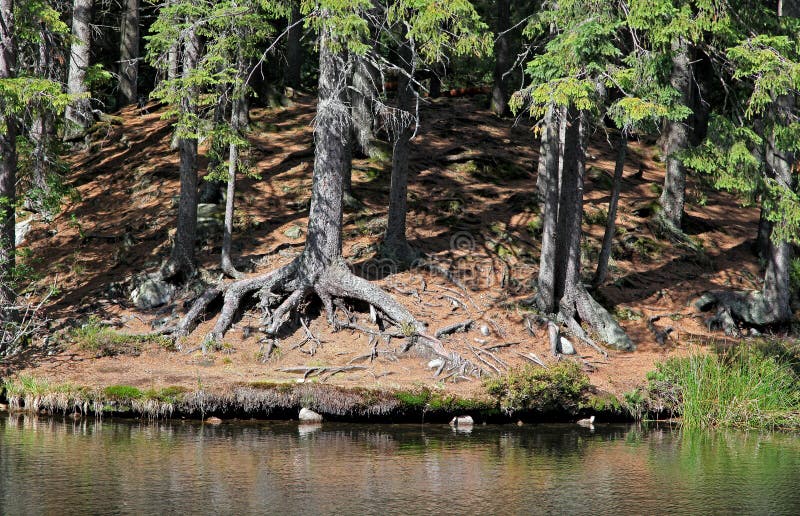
54	466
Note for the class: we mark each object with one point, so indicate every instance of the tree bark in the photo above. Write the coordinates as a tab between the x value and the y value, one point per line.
294	50
611	224
570	205
227	233
181	263
8	156
677	139
502	50
363	90
548	186
777	290
129	54
79	112
395	245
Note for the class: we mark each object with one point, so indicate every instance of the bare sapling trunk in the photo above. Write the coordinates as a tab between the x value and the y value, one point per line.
611	224
502	55
79	112
42	133
8	161
129	54
677	141
320	269
181	263
395	246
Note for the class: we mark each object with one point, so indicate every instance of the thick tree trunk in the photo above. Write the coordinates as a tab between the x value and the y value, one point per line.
129	54
777	291
79	112
181	263
548	186
294	50
560	288
331	132
611	224
363	91
677	139
570	205
8	157
395	245
502	51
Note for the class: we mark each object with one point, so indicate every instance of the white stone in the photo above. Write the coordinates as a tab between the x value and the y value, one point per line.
21	230
565	347
461	421
484	330
309	415
436	363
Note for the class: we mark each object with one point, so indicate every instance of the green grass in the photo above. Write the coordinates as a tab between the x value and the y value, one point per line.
560	387
746	387
104	341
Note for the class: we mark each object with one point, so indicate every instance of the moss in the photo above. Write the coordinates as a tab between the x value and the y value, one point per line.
561	387
122	393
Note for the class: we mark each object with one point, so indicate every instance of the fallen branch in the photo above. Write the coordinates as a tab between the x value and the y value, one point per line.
454	328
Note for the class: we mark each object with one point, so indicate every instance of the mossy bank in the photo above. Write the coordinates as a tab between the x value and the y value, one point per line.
560	393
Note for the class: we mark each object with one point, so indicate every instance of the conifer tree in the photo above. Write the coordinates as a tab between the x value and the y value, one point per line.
79	112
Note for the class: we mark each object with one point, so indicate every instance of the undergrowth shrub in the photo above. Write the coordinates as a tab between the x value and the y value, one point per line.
559	387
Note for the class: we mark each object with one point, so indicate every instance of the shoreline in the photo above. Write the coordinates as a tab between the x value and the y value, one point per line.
283	401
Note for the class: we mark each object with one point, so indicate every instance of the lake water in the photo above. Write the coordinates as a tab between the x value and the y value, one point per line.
57	466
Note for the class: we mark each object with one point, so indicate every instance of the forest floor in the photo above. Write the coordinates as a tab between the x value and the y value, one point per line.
471	211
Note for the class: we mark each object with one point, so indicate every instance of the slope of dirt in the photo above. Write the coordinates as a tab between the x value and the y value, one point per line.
471	210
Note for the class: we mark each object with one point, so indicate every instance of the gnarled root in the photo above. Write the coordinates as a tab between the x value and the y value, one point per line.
734	308
335	282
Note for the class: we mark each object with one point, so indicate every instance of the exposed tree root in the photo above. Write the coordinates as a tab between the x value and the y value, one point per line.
290	285
735	308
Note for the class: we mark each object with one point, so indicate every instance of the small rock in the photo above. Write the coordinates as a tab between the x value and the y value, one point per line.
565	347
293	232
152	293
462	421
436	363
484	330
213	420
309	415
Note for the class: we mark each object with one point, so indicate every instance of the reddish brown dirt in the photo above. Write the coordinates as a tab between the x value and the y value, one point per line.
128	180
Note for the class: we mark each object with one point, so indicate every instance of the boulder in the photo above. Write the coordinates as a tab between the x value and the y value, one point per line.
152	293
462	421
309	416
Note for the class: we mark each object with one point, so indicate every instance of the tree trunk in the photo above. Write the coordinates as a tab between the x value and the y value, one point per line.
79	112
570	205
548	183
364	88
182	260
502	58
611	224
227	234
777	290
129	54
39	197
8	157
395	246
677	139
294	50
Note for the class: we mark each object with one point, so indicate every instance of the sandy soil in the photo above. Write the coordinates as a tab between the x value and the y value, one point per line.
470	205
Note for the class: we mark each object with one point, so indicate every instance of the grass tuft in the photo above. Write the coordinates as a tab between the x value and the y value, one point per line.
560	387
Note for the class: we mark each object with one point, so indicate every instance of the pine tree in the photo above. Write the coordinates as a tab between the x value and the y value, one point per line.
79	113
